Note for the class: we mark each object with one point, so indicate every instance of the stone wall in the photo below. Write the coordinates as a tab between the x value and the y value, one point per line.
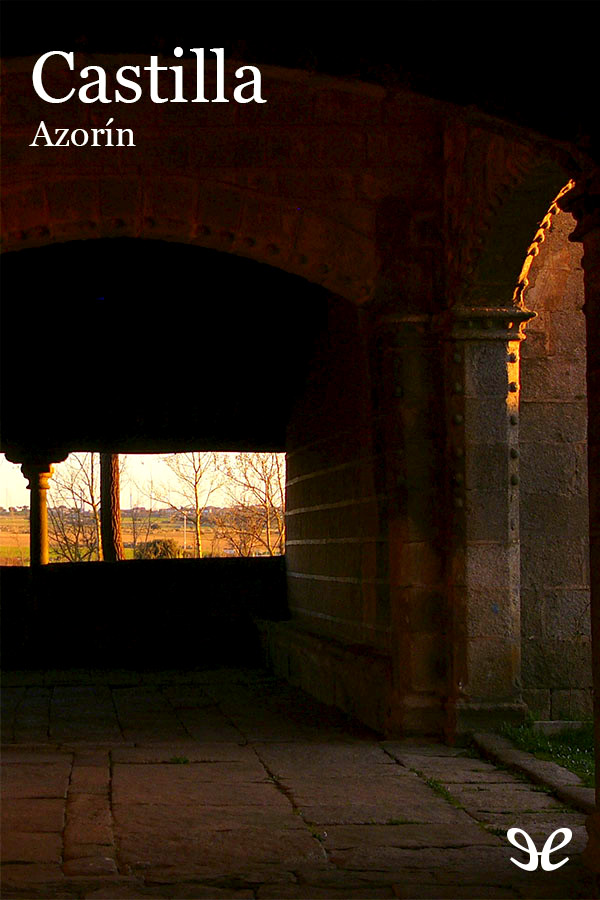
197	613
400	207
333	530
338	597
555	601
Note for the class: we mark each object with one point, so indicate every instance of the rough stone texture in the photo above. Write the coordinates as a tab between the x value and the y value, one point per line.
563	783
390	202
555	597
322	809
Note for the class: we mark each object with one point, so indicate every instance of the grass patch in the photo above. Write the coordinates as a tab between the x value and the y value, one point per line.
572	748
442	791
179	760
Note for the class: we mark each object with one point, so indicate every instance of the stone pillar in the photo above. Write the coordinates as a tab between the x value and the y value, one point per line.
409	444
583	202
38	474
481	360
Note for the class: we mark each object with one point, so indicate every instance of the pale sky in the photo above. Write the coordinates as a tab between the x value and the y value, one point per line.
140	472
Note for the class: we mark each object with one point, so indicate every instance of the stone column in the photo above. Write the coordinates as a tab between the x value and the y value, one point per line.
409	443
481	361
38	474
583	202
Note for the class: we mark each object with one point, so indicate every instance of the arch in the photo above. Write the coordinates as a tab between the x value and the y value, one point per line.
139	345
497	190
216	178
187	210
520	207
554	509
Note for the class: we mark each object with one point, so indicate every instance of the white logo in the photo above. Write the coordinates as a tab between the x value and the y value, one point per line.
544	856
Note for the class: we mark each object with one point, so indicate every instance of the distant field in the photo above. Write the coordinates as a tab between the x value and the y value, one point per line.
14	538
14	541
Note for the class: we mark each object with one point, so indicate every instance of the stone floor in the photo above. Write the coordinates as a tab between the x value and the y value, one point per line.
232	784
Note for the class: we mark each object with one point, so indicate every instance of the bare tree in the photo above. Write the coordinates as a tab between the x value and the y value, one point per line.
255	484
197	479
110	508
140	519
239	528
74	508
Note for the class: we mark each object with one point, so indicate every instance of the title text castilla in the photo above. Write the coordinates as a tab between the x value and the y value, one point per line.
130	91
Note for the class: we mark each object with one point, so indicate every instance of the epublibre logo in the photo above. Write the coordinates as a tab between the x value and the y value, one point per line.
544	854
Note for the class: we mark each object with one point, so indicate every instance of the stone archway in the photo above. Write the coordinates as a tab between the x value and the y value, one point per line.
397	204
555	601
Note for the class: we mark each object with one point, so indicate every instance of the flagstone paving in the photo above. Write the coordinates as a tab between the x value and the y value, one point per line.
232	784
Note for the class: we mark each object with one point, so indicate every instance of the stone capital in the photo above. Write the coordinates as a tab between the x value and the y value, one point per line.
38	473
484	323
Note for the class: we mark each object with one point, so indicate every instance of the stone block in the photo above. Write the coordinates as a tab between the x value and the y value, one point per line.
34	755
320	759
459	770
48	780
287	104
209	852
428	662
567	614
309	183
532	616
553	378
426	610
91	865
538	701
179	785
420	564
422	810
88	820
553	515
491	614
561	666
31	847
25	816
388	147
551	562
486	466
25	209
347	891
486	370
486	420
492	566
171	200
501	798
225	147
568	333
535	346
31	879
487	515
219	207
70	199
89	780
407	835
557	469
493	668
345	107
575	704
